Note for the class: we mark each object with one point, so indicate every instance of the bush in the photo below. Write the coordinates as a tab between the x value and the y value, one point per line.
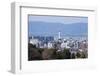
59	55
64	54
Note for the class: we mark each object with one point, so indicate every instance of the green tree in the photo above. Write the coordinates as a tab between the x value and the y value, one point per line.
73	56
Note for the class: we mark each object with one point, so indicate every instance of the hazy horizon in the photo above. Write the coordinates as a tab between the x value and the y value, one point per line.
46	26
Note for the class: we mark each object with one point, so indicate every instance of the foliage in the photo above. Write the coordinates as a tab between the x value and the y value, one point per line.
73	55
53	53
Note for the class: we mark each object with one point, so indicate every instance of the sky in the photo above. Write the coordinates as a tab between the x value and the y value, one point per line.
51	25
56	19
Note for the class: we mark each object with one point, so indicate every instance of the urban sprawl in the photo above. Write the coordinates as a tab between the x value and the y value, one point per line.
49	47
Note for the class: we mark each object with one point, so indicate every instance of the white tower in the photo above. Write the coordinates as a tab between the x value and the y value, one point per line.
59	35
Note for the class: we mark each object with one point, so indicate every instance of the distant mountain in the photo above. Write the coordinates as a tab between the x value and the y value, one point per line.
46	28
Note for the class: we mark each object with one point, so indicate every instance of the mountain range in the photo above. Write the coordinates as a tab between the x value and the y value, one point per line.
52	29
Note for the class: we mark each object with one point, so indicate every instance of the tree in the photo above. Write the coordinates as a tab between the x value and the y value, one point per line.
33	53
78	55
67	54
49	54
73	56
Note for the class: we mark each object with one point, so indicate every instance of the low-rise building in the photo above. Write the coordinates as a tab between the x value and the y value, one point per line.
50	45
34	42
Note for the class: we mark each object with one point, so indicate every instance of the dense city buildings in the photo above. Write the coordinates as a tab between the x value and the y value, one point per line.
57	37
75	46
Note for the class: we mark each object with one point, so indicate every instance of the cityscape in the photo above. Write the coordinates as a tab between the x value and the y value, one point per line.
67	40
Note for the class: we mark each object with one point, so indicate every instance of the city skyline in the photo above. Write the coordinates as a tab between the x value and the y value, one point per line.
50	37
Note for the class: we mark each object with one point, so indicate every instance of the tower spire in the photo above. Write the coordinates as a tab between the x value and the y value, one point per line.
59	35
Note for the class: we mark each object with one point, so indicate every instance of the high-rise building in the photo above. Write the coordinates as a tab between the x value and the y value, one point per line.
59	35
